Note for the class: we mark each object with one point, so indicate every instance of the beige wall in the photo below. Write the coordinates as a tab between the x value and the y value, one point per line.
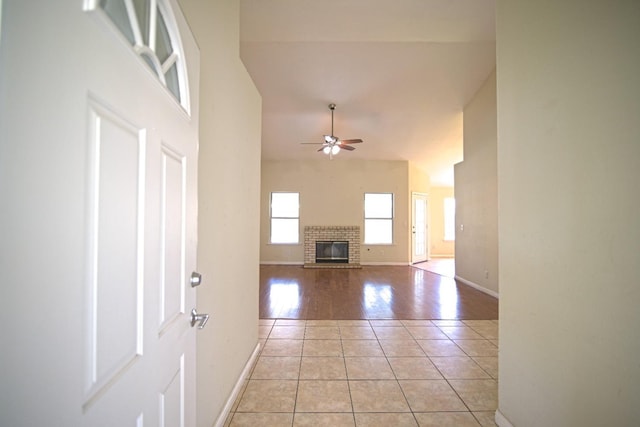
438	247
569	233
332	193
419	181
476	190
229	195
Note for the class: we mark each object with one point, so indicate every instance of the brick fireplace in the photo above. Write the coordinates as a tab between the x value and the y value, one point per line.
314	233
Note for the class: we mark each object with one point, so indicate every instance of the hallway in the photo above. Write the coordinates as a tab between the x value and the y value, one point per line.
349	371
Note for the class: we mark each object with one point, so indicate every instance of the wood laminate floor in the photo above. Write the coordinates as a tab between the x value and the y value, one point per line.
372	292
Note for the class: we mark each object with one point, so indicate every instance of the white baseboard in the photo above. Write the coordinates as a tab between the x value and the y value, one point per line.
302	263
237	388
478	287
501	420
383	263
281	263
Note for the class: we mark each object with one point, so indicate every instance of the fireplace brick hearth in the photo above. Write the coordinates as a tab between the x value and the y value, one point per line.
313	233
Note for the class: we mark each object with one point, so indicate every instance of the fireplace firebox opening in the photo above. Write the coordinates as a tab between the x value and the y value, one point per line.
332	251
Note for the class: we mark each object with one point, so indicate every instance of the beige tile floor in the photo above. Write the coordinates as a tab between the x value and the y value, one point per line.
372	373
442	266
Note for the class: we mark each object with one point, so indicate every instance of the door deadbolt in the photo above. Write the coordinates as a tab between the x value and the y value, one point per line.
196	279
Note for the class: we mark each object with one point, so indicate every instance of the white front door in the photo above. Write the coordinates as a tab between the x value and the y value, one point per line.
98	173
419	228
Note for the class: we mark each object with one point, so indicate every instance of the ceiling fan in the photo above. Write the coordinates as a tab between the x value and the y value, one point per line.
332	144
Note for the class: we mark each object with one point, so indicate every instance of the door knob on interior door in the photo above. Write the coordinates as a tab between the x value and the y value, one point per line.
201	319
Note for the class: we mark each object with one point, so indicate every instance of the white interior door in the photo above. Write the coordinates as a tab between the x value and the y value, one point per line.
99	143
419	228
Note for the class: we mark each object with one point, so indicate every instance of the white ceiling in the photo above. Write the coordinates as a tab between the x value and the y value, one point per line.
400	72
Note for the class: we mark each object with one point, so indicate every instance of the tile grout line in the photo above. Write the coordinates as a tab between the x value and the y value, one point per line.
346	374
447	379
413	339
413	414
295	401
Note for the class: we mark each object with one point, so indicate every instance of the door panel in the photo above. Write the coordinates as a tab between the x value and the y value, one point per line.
173	236
102	209
114	262
172	400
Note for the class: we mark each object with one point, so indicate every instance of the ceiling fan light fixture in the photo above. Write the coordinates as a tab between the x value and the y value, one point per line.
326	150
335	149
330	139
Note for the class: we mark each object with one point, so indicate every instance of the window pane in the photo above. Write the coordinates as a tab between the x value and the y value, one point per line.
378	205
118	14
163	41
378	231
172	81
142	12
149	61
420	227
284	205
133	17
284	230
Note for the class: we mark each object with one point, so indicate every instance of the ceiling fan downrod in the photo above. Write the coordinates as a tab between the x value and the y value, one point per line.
332	107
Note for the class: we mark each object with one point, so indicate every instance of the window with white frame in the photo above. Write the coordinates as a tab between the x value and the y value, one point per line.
449	218
378	218
285	217
150	28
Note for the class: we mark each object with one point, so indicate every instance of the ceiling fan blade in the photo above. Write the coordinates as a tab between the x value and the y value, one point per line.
332	144
313	143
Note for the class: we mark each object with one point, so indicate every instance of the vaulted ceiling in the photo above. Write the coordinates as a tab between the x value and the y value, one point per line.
400	72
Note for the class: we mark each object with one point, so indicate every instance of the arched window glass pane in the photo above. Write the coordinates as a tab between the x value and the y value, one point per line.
148	61
156	44
172	81
142	12
117	11
163	40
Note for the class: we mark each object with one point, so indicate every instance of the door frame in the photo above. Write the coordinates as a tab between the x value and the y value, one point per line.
423	196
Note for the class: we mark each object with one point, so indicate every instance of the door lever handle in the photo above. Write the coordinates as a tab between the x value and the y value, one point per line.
201	319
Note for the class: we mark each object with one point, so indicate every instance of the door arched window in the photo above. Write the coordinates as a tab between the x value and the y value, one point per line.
150	28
